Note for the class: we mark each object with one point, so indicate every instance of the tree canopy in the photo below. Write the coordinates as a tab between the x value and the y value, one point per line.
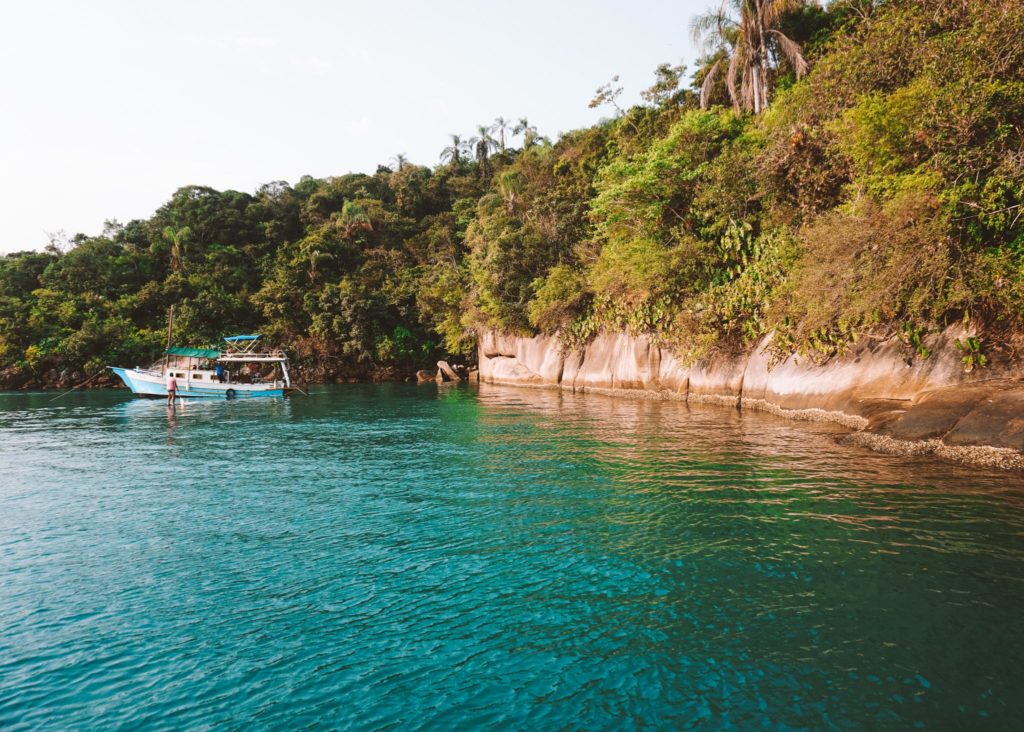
857	172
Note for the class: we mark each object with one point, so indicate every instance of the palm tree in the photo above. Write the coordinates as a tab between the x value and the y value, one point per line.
400	161
483	145
177	237
352	219
500	126
529	133
454	151
752	43
510	185
314	256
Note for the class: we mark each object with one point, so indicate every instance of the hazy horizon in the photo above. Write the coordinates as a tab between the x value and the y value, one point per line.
115	106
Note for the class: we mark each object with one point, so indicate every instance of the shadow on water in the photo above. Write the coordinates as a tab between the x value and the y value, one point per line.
444	556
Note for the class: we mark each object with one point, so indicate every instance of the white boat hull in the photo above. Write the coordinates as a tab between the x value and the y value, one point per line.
154	384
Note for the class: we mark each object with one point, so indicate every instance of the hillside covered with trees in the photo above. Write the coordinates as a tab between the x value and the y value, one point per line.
827	174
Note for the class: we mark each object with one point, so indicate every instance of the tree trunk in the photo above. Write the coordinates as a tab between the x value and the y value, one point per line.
755	74
762	58
170	325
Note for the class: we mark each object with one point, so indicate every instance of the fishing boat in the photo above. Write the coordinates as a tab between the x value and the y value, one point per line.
241	369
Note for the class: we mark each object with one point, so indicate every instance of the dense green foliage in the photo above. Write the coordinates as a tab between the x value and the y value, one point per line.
342	272
882	193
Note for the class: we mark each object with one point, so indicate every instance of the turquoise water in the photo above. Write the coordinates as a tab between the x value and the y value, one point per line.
423	557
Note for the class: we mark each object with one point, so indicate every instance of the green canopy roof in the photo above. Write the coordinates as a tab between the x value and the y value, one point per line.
194	352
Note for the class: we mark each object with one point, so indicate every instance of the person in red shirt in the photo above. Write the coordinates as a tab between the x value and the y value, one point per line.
172	389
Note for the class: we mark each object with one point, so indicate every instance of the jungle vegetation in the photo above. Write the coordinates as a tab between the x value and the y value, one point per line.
827	173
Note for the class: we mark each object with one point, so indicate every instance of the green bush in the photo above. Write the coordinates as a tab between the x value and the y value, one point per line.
871	265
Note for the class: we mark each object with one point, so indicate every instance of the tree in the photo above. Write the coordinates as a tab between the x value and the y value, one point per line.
500	126
753	45
59	242
312	252
609	94
510	186
352	220
666	83
529	133
176	238
400	160
483	144
453	153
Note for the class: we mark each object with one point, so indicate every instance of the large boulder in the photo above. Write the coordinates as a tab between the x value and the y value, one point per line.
446	372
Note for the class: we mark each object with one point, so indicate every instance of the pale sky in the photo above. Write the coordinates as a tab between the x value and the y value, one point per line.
108	107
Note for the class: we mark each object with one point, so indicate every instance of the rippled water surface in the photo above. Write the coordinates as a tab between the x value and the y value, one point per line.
402	557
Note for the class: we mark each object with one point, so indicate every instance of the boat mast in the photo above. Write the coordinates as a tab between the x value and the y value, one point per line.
176	238
170	328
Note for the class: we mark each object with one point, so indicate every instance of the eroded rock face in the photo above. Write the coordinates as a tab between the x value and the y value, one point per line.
879	387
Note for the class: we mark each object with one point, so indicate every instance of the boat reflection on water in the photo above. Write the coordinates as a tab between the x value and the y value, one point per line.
202	418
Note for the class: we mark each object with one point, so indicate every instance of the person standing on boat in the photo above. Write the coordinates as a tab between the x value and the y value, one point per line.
172	389
218	371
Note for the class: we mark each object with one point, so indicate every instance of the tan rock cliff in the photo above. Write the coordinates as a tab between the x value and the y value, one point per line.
896	401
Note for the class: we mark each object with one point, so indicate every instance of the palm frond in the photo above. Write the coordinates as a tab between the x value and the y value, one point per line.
713	28
730	78
792	52
708	83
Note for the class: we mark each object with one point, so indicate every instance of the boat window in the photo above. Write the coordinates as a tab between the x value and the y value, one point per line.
196	376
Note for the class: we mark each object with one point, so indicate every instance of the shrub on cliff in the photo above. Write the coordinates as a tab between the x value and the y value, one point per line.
870	265
559	298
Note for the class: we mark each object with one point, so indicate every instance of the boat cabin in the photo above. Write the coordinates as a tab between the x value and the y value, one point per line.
239	363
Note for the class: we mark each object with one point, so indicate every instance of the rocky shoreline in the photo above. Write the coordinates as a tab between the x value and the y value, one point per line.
14	379
892	401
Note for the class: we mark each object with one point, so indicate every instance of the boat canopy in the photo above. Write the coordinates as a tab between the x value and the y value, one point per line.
234	339
193	352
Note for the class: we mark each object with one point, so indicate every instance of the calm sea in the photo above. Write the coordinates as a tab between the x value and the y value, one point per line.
404	557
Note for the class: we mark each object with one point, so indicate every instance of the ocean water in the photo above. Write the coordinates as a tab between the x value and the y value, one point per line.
403	557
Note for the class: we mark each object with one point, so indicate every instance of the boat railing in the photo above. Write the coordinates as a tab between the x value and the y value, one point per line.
273	356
